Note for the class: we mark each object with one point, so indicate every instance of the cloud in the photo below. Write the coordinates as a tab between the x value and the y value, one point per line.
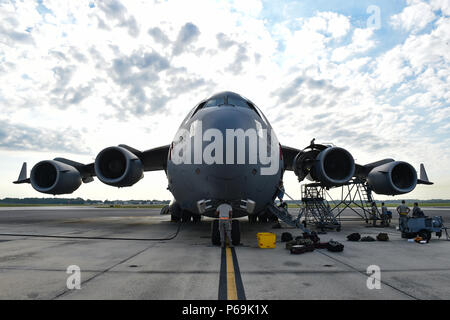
114	10
187	35
15	136
414	17
302	91
11	34
158	35
236	67
362	41
224	42
13	37
138	70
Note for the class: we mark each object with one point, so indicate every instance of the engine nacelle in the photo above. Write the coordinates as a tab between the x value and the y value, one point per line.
332	166
54	177
118	167
392	178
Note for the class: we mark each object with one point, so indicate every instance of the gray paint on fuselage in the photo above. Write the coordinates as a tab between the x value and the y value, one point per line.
192	182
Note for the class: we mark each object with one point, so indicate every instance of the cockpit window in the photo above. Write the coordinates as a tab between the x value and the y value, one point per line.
238	102
227	100
215	102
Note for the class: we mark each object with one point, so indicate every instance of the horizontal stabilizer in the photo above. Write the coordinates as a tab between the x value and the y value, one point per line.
423	176
23	175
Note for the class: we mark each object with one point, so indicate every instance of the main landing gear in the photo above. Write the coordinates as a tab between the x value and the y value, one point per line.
185	216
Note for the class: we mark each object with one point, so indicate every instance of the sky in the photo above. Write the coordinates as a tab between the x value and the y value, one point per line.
372	77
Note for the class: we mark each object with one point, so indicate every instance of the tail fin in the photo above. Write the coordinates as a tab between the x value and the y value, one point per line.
23	175
423	176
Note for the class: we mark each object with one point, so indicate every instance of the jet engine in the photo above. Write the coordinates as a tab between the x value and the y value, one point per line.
332	166
392	178
118	167
54	177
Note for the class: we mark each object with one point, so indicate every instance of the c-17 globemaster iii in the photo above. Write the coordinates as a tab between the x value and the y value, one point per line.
225	151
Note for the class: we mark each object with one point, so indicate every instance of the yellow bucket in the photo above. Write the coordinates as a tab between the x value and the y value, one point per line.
266	239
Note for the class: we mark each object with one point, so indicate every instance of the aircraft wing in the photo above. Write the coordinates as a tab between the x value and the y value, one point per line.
361	171
152	160
288	156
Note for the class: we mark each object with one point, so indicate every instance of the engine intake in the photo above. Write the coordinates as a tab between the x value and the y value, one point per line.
54	177
332	166
392	178
116	166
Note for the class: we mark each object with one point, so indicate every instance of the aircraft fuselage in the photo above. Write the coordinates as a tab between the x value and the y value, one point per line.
224	153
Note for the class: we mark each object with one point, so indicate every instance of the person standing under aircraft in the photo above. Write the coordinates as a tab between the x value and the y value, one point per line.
280	195
374	211
384	215
225	212
417	212
403	211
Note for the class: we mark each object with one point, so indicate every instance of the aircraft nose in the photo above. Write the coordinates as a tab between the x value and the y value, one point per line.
231	126
223	118
228	179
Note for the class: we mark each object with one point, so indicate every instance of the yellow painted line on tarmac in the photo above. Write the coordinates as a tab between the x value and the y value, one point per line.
231	279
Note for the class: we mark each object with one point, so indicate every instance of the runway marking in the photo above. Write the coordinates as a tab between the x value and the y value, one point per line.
230	281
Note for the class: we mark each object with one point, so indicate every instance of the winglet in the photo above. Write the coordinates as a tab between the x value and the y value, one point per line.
23	175
423	176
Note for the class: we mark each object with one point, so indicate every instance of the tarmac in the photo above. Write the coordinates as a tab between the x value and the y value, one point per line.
190	267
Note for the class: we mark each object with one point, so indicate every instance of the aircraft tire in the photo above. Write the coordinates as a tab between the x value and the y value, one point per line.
164	210
425	234
215	235
185	216
235	232
262	218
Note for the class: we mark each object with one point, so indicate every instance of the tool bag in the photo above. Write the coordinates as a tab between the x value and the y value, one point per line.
305	242
291	243
286	236
321	245
335	246
354	237
382	237
298	249
312	236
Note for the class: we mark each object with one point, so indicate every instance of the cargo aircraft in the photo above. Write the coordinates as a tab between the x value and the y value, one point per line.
225	151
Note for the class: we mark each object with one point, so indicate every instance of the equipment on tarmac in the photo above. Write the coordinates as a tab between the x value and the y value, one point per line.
286	236
422	227
321	245
290	244
266	240
354	237
335	246
299	249
312	236
382	237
